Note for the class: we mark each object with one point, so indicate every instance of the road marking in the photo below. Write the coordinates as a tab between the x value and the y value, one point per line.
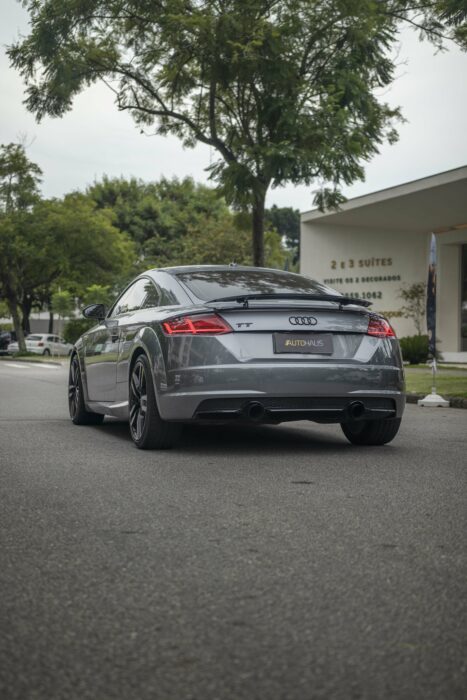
33	365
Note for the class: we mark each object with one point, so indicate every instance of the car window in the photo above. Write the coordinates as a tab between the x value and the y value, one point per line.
215	284
34	337
60	340
153	295
50	339
133	298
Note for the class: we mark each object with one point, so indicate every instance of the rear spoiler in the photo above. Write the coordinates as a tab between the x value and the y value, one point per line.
246	298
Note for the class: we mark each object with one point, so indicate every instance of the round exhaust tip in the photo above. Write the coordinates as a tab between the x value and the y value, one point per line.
356	409
254	411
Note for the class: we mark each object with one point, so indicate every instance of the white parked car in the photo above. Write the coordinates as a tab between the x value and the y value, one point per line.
44	344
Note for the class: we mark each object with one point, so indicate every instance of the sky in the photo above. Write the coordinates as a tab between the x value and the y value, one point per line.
95	139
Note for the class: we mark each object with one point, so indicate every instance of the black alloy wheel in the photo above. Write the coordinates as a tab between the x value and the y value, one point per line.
46	352
78	413
138	401
371	432
147	429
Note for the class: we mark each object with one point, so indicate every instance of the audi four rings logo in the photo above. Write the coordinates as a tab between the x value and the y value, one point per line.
303	320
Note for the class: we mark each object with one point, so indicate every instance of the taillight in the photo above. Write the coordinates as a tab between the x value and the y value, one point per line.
380	328
40	344
209	324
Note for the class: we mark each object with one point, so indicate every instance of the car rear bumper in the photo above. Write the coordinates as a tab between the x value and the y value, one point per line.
314	391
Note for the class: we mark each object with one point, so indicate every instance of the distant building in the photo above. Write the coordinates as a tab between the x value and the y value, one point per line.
377	244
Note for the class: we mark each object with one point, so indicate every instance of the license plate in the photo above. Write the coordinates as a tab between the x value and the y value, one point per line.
304	343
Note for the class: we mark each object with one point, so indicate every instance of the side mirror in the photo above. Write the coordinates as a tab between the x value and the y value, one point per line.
97	311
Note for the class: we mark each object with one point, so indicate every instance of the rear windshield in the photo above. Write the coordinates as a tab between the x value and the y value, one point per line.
216	284
34	337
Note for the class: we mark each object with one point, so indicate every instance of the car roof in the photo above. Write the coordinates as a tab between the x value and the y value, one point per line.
217	268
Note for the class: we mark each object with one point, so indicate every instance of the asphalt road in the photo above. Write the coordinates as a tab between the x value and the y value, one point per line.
259	564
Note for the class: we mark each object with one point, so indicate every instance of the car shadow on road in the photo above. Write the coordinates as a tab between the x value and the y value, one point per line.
238	439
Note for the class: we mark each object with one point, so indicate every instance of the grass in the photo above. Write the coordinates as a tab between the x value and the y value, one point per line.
33	357
447	384
440	366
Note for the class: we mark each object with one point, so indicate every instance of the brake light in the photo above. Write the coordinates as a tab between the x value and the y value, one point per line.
40	344
209	324
380	328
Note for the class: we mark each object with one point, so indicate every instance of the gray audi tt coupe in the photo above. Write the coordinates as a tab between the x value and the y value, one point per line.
225	344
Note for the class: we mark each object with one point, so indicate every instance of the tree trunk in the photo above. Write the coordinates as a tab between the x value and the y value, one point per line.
258	228
26	312
51	322
13	307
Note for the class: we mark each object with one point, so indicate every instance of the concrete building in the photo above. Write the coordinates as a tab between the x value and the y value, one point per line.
377	244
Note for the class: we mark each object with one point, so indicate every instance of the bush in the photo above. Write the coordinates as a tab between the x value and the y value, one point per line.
415	349
76	327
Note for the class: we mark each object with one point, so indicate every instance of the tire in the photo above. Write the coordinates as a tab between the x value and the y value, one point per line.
371	432
78	413
147	429
46	352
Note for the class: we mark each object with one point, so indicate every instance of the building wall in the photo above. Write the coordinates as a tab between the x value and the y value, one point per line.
39	323
448	296
371	264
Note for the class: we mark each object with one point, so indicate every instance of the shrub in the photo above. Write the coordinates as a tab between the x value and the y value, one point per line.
76	327
415	349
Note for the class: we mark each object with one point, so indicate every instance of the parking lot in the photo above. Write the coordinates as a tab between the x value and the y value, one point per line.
276	563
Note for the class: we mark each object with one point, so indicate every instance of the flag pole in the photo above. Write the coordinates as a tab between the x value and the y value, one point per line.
433	399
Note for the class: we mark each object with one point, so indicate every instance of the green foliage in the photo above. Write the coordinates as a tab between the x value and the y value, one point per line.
415	349
177	222
161	210
4	310
19	179
88	247
52	244
286	221
63	303
97	294
283	92
414	297
75	327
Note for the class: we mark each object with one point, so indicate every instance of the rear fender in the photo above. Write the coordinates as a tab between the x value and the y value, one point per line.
148	342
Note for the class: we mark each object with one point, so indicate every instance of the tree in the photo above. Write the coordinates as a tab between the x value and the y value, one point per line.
283	90
63	304
4	310
220	242
164	209
19	190
286	221
97	294
157	215
414	297
176	222
65	243
19	179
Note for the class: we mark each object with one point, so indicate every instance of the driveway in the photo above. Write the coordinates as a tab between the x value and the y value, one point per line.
274	563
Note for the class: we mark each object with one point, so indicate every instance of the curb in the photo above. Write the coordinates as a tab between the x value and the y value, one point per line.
30	359
454	401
